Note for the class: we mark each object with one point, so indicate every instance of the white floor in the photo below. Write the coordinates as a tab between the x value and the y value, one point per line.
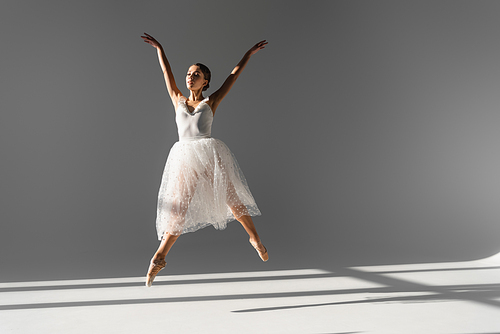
444	298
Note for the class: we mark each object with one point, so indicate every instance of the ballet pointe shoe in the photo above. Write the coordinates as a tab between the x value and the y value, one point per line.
154	269
263	254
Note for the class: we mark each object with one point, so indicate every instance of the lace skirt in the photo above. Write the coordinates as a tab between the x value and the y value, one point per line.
201	185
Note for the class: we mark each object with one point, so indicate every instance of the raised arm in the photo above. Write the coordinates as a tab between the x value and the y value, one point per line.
219	95
172	89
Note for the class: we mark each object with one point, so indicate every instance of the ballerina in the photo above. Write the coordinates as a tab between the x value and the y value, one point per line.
202	183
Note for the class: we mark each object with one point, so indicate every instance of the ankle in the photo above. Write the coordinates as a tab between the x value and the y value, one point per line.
157	257
256	242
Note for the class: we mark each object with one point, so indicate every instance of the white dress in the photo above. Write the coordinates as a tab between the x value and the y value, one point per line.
202	183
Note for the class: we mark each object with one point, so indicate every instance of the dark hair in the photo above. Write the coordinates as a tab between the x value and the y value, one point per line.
206	73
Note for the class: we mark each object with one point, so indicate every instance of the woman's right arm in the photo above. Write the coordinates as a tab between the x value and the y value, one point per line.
172	89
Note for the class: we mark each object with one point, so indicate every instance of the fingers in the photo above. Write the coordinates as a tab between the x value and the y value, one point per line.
150	40
261	44
148	37
257	47
146	40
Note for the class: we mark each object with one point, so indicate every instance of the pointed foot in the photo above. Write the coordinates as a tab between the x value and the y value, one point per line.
154	268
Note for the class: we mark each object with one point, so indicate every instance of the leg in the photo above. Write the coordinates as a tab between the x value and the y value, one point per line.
247	223
254	240
158	260
240	212
166	243
177	217
183	194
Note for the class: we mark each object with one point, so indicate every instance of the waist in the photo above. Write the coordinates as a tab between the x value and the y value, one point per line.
194	138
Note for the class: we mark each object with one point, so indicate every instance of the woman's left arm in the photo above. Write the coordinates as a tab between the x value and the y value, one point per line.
219	95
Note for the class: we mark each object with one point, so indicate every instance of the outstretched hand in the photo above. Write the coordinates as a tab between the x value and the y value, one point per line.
151	40
257	47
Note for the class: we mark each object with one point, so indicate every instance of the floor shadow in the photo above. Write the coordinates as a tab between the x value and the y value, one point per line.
478	293
431	270
482	296
344	333
179	281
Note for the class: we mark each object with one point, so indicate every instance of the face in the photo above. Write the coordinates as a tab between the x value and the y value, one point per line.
195	79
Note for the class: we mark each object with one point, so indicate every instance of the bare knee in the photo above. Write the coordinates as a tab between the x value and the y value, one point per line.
239	210
169	236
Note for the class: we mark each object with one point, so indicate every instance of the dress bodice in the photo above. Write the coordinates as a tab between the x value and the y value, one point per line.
196	124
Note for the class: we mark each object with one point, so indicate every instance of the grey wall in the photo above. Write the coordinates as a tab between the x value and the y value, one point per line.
367	130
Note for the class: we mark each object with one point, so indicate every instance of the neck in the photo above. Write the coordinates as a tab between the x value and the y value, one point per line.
196	95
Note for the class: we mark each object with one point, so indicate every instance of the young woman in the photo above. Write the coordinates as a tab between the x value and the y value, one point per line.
202	183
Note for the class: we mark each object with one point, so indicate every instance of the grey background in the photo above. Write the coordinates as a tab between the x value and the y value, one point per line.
367	130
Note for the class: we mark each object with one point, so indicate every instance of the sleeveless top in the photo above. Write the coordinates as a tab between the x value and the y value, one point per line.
193	125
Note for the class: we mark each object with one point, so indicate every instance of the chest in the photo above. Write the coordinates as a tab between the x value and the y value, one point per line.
191	107
201	116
